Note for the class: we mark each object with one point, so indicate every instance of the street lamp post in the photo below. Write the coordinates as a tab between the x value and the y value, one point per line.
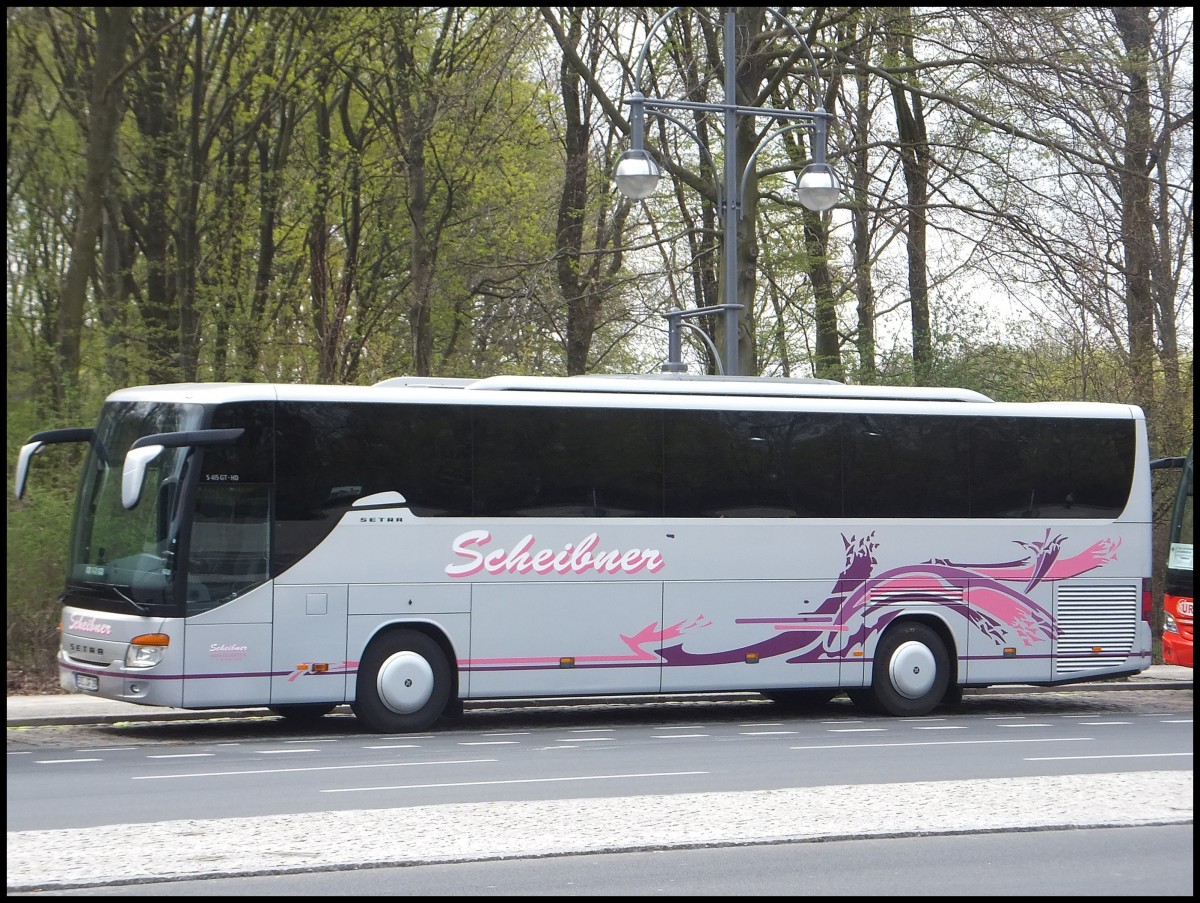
638	174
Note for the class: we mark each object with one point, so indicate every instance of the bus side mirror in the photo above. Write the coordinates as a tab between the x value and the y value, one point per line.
26	453
38	441
147	448
134	473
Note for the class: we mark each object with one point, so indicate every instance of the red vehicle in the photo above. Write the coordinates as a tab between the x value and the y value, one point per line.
1177	595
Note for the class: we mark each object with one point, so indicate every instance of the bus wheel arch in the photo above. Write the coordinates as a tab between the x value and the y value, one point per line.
406	679
913	669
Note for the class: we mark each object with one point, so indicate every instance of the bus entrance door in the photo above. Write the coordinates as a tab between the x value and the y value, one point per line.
309	661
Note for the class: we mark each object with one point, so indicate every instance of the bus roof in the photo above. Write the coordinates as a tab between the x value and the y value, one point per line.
679	383
689	384
710	393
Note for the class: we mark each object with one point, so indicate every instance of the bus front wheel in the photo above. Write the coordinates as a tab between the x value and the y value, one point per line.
403	683
912	671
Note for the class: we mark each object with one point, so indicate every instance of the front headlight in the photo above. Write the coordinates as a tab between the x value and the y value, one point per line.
1169	625
147	650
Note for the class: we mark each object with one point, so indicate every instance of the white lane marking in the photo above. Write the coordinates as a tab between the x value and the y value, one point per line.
396	746
1102	723
315	740
765	733
763	724
857	730
675	736
282	752
487	742
1178	721
63	761
97	749
178	755
1034	724
945	743
223	774
590	777
1114	756
943	727
583	739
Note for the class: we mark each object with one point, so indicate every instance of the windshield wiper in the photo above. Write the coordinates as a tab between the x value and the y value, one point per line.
143	609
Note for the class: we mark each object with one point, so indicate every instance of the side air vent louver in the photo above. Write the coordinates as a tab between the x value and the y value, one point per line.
1092	618
910	596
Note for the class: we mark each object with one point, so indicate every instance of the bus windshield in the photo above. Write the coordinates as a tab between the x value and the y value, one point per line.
129	555
1181	524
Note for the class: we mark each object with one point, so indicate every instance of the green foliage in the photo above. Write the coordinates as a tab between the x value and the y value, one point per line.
286	189
38	528
37	539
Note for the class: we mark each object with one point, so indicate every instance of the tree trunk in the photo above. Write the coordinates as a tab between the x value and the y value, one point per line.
1137	231
572	203
104	118
914	155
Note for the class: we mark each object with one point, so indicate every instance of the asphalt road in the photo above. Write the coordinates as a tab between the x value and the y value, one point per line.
425	835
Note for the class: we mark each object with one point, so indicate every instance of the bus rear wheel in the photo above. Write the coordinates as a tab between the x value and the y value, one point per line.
404	683
911	673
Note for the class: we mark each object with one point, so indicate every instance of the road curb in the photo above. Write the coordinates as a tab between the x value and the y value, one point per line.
151	714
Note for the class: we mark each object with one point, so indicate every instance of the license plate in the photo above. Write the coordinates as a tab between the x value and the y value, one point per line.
87	682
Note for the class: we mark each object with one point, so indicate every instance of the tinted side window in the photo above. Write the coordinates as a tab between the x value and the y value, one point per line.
250	458
905	466
1057	468
752	464
230	537
331	455
565	462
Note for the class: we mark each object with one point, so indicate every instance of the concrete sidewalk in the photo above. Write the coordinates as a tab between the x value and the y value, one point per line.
74	708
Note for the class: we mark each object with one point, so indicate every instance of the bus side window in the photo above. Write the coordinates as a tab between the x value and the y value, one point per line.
230	543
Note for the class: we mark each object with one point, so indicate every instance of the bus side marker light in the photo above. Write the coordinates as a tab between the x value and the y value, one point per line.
567	661
751	658
1096	650
320	668
1010	651
151	639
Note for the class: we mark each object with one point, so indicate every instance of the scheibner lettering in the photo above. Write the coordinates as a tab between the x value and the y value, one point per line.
523	558
88	624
